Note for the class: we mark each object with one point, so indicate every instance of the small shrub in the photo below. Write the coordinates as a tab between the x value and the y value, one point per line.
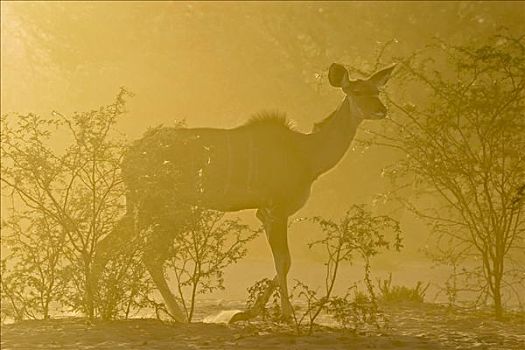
34	278
71	197
200	254
400	294
357	233
357	313
124	287
304	320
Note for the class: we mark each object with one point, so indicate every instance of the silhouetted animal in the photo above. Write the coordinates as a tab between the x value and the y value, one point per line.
264	164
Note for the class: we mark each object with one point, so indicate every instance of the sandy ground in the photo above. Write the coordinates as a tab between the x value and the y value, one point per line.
424	327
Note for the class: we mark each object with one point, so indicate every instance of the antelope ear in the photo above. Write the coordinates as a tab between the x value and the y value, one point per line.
338	76
380	78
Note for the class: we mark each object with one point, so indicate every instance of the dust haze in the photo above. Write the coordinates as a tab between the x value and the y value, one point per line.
172	160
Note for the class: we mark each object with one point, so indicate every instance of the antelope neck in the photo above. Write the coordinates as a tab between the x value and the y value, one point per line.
330	143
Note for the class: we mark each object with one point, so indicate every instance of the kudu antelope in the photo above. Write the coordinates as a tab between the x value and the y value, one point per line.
263	165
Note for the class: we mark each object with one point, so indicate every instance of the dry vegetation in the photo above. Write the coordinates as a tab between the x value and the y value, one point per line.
456	132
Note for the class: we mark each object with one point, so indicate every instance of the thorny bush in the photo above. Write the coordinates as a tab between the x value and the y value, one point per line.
357	233
200	253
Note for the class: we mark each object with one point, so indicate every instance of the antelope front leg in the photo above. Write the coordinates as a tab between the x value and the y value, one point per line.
276	227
